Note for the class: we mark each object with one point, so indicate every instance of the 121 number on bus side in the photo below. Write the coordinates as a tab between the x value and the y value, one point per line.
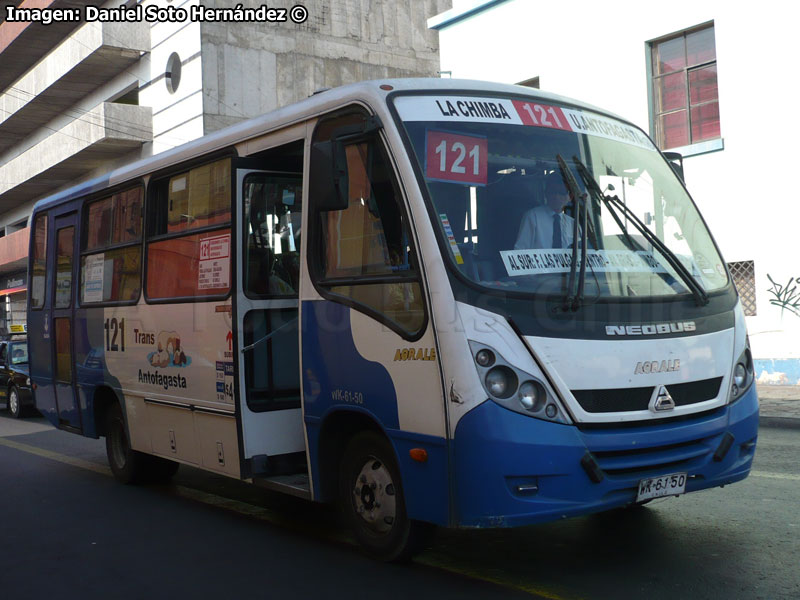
115	335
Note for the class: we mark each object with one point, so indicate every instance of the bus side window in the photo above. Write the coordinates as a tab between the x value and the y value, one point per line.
111	258
189	234
364	253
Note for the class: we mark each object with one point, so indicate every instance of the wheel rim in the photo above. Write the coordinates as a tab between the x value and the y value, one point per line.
374	498
13	402
119	445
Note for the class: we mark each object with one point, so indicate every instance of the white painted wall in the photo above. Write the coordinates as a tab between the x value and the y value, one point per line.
178	116
596	51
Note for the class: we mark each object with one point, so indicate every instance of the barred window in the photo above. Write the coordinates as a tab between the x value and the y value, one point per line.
744	278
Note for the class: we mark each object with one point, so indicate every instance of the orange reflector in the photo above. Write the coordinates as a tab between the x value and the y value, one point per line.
386	87
418	454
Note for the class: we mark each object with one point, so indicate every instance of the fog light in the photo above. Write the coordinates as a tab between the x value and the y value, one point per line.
551	410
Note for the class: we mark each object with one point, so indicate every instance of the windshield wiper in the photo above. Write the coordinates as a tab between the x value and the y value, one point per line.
572	301
700	295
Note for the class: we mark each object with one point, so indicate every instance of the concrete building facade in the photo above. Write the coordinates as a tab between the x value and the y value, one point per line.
78	98
738	143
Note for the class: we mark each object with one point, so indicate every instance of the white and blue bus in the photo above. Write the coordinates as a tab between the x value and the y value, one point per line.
351	299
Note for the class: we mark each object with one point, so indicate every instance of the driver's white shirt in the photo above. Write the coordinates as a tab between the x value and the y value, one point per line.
536	229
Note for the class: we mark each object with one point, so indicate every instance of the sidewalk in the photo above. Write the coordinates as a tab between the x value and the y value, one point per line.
779	405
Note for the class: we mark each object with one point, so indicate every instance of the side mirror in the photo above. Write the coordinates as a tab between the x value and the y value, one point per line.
328	183
675	160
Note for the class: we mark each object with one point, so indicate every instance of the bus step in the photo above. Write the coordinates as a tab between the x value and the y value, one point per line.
296	485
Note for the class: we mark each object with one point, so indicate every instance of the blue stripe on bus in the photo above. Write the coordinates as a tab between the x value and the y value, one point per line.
335	375
336	378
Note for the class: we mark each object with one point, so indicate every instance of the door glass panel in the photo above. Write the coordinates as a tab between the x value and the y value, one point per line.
63	345
272	363
272	212
39	261
64	251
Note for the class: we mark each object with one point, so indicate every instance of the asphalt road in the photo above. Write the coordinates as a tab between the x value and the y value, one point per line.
66	528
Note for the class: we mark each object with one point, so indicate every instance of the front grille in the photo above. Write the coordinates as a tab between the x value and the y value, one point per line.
635	399
643	461
694	391
615	400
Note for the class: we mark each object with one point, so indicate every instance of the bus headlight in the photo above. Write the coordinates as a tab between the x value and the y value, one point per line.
501	381
739	375
484	357
743	375
532	396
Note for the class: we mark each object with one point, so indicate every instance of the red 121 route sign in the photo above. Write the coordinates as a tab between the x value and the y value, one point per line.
456	158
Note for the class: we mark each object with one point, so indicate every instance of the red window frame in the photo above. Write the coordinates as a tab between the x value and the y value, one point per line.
684	87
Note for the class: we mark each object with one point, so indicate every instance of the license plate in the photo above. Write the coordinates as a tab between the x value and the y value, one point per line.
666	485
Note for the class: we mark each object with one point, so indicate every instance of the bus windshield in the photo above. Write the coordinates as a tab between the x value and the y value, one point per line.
503	176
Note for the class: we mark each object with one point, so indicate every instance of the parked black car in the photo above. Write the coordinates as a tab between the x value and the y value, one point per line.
15	380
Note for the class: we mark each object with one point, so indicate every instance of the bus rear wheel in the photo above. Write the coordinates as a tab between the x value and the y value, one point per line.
126	464
371	496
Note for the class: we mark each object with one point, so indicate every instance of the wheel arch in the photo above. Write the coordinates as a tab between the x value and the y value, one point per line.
104	397
337	430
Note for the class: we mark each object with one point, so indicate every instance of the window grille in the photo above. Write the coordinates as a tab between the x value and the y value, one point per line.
744	278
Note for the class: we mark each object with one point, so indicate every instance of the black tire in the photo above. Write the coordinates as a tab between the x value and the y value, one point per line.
14	403
371	497
127	465
160	470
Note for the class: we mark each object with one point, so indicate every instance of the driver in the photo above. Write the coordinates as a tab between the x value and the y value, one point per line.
546	226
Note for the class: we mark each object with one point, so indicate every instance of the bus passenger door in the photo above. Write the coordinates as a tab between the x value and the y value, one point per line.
268	247
66	240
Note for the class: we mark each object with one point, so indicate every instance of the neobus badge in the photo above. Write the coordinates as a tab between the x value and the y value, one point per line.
651	328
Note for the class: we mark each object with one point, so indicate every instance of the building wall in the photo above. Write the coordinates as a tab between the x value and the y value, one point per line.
231	72
178	115
255	67
597	52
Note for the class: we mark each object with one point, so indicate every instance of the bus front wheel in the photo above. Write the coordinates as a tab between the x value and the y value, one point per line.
371	496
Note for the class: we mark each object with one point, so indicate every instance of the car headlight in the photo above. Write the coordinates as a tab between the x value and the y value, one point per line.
501	381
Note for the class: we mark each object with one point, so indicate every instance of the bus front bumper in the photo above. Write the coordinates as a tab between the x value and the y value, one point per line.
515	470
